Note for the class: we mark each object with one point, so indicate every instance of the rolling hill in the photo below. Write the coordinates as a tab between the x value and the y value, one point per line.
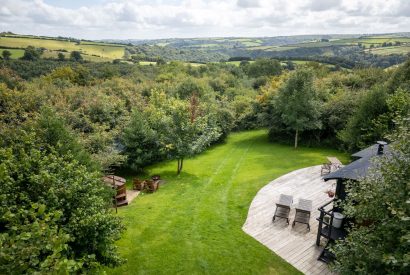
381	50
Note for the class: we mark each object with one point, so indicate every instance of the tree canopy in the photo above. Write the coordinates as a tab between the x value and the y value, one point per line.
298	103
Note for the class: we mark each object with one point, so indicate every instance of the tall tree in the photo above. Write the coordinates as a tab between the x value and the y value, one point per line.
298	104
76	56
6	54
141	143
31	53
185	131
61	56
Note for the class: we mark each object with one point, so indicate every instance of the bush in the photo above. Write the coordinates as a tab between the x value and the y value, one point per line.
55	214
379	242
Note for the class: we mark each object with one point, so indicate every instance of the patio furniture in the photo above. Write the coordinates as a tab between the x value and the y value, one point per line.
334	163
152	185
118	184
325	169
330	166
138	184
303	210
283	207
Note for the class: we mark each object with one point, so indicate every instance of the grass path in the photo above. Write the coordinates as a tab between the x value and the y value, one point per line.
193	224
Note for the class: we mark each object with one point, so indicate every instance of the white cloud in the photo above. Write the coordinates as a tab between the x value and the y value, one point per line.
201	18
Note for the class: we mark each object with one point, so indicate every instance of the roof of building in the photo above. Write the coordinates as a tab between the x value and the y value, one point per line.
358	169
370	151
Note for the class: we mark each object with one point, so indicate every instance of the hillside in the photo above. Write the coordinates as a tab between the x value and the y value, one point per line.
344	50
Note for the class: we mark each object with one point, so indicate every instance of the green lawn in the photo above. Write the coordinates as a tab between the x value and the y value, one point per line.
192	225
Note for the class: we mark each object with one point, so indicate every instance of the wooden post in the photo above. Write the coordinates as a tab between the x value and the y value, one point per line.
296	138
115	195
319	230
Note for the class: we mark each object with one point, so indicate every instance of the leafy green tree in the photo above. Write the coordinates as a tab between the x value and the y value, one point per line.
76	56
54	134
141	142
359	130
264	67
6	54
31	54
379	241
55	214
184	130
61	56
298	103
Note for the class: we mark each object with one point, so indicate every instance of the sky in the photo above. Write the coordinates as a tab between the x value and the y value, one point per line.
143	19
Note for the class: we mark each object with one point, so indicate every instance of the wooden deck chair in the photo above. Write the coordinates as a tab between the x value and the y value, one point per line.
283	207
325	169
303	210
138	184
152	185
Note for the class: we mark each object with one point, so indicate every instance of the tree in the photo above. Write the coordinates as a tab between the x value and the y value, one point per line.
76	56
184	130
298	104
378	242
6	54
141	143
360	130
263	67
61	57
31	53
55	215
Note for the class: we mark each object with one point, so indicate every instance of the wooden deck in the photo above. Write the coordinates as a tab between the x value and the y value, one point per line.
295	245
131	195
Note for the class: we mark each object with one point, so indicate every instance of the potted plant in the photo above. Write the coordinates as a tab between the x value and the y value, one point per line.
330	193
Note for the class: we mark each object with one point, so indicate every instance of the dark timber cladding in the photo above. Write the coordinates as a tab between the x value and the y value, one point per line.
355	171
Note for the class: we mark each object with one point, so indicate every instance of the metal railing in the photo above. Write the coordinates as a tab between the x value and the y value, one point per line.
322	222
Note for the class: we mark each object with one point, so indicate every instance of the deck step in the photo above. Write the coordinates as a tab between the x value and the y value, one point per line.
121	196
122	203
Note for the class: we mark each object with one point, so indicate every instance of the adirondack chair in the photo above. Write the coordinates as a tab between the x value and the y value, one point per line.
152	185
138	184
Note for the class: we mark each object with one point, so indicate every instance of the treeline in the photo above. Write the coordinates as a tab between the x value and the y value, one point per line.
347	110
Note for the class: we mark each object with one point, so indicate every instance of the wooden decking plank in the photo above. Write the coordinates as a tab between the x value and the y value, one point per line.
295	245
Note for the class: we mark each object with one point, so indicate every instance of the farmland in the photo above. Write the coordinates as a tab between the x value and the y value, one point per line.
345	50
91	50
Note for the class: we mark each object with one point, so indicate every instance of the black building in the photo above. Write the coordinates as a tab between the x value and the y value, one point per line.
353	172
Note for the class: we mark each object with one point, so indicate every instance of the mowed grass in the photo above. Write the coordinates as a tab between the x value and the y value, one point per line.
108	51
192	225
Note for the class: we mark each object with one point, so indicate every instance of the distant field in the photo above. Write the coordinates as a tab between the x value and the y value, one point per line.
390	50
101	50
210	45
279	49
145	63
237	63
15	53
213	49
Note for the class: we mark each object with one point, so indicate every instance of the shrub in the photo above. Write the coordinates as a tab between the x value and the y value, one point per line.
55	214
